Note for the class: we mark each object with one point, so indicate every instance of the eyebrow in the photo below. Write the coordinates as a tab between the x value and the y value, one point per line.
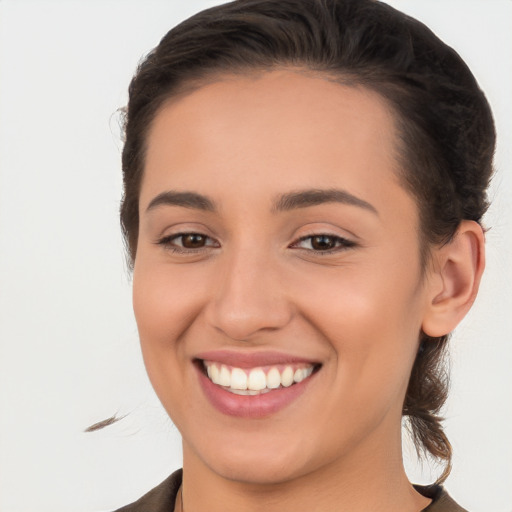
314	197
285	202
184	199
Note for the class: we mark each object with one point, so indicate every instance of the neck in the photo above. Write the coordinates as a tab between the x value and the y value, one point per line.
370	478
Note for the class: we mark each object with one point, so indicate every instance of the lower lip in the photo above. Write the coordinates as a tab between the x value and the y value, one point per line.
250	406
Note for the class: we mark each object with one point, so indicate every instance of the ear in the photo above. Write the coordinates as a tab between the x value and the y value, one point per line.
454	279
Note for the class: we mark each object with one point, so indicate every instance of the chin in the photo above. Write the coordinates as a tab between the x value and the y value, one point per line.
258	471
258	459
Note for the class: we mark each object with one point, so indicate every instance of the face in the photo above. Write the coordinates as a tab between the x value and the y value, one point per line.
277	283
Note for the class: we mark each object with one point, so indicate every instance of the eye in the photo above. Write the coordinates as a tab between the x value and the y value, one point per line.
191	240
187	242
323	243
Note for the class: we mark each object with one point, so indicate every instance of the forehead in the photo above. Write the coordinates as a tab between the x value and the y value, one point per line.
269	132
275	103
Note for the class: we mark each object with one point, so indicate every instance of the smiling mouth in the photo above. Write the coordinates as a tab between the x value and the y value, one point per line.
258	380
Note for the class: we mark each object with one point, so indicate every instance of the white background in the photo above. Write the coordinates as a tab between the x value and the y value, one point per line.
69	352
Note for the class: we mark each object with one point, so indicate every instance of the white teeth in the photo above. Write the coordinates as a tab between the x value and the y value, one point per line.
238	379
213	373
273	378
255	381
248	391
298	376
287	377
224	377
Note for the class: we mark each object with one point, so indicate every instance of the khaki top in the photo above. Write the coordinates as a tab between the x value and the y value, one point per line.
163	496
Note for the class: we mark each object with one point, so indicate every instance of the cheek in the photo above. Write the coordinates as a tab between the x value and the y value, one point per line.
362	300
164	302
370	316
165	305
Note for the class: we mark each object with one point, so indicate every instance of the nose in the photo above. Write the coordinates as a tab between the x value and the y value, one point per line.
250	298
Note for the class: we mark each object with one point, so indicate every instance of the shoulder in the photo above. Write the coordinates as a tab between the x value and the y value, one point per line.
441	500
159	499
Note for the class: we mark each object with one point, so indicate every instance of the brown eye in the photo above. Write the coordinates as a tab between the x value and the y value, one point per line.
187	242
193	241
323	242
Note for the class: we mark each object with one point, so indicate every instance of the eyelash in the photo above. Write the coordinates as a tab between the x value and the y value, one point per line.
341	243
167	242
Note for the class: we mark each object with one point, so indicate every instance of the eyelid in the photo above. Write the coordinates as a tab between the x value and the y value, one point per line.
343	246
341	243
166	242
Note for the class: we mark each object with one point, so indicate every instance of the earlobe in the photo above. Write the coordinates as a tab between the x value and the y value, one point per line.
454	280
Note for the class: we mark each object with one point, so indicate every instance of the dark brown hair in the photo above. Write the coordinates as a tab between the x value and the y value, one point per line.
444	122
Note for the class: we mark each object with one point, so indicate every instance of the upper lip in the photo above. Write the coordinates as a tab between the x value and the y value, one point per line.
252	359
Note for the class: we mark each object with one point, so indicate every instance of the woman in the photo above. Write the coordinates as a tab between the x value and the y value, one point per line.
304	185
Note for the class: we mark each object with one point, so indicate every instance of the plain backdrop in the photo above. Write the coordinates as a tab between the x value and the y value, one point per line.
69	353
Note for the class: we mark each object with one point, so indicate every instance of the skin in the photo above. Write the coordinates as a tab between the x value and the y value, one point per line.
257	284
